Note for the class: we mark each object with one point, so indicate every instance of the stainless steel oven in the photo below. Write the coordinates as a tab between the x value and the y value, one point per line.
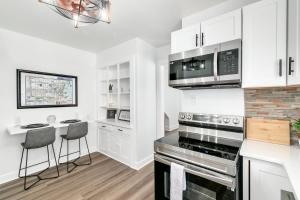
212	66
201	183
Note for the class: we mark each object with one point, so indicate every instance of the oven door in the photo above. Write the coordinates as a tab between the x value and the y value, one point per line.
202	184
194	67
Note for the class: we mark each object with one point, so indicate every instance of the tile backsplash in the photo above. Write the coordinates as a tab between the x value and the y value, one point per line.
273	103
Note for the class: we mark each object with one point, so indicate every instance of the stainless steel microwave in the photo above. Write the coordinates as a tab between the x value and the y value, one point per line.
215	66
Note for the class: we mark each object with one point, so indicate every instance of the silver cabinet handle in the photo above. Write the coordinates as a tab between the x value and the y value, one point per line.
216	64
197	37
202	39
120	130
280	67
201	172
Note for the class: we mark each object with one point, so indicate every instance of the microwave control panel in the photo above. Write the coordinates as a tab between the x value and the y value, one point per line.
228	62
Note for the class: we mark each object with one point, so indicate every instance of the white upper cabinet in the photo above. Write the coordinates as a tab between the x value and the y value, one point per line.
294	43
185	39
222	28
264	44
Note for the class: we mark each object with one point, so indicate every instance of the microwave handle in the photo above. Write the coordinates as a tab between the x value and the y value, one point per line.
216	64
213	176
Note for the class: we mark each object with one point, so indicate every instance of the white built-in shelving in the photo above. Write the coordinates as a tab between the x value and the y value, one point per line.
118	76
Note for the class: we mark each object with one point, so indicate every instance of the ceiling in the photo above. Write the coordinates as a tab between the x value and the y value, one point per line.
151	20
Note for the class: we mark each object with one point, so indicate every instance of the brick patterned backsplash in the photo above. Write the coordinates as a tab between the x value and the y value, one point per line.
273	103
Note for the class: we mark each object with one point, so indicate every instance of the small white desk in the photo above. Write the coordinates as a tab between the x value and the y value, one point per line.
17	130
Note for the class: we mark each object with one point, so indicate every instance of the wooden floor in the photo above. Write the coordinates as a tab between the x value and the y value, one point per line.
104	179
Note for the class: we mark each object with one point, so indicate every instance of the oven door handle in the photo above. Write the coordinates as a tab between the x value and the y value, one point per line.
216	64
201	172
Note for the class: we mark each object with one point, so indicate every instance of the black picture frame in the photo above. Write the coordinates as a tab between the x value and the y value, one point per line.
19	104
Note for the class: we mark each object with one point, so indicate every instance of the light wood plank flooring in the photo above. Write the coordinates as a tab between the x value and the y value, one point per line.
104	179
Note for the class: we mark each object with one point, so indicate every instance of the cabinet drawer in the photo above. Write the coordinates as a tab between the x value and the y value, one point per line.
121	130
104	127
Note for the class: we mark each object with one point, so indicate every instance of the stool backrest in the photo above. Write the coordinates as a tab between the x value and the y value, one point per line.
77	130
41	137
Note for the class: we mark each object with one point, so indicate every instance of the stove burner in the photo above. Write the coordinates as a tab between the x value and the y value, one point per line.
214	149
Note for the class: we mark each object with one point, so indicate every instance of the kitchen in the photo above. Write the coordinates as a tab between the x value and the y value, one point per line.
209	113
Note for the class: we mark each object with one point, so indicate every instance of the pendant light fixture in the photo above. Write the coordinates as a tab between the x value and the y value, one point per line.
82	12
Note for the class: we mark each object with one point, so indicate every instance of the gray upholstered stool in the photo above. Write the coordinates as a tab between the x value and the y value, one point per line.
76	131
38	138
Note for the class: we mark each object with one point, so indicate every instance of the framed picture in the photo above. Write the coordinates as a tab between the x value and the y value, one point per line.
111	113
124	115
45	90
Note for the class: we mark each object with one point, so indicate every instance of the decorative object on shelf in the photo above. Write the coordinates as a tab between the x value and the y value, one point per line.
111	113
124	115
51	119
82	12
296	126
110	88
45	90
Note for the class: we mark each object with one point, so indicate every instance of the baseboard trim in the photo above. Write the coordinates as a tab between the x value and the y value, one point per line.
140	164
14	174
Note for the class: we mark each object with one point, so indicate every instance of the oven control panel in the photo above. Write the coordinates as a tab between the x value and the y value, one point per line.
225	120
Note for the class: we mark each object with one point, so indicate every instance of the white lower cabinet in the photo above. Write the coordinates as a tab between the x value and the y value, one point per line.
115	142
266	181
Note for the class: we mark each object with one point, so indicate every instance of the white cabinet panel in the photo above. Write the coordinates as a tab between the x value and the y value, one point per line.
294	43
104	133
267	181
222	28
185	39
264	44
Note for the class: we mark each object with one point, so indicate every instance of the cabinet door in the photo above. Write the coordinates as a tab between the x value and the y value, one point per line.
294	43
125	144
267	181
103	133
222	28
264	44
185	39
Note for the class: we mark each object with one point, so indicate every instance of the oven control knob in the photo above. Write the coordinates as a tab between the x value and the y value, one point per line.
226	120
189	117
182	116
236	121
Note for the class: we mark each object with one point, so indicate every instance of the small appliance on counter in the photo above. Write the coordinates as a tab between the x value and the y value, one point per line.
207	146
216	66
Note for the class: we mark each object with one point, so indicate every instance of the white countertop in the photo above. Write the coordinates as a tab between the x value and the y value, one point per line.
115	122
287	156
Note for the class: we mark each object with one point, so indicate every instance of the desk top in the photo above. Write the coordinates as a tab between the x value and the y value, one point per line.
16	130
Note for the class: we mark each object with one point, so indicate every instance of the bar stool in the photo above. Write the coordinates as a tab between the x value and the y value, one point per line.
37	138
75	131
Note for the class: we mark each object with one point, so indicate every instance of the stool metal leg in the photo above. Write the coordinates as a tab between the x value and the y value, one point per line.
87	146
39	178
26	170
59	156
55	160
19	175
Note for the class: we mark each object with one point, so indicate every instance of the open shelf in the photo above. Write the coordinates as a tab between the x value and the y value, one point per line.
117	76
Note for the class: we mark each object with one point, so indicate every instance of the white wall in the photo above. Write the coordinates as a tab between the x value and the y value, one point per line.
21	51
219	9
168	99
214	101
